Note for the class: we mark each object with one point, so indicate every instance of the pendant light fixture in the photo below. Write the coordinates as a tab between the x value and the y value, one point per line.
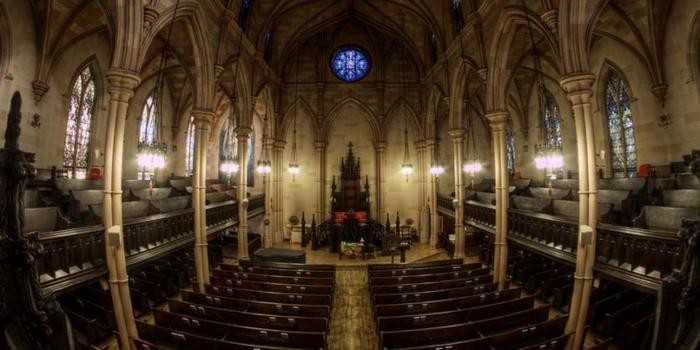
264	165
152	154
229	164
436	168
406	167
548	155
293	168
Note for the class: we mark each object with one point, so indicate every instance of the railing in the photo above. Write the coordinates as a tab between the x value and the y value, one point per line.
445	204
634	256
256	205
76	256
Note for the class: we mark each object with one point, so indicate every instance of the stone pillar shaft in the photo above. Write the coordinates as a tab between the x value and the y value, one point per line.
497	122
432	195
243	133
423	227
380	156
320	178
121	85
268	143
202	123
277	202
457	146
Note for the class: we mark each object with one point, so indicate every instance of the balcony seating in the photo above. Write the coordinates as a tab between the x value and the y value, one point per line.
683	198
151	194
485	197
570	209
664	219
180	185
687	181
569	184
534	204
217	197
134	185
45	219
167	205
130	210
549	193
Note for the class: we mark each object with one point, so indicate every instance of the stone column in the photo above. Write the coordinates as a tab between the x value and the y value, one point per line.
242	134
121	85
278	203
432	194
497	121
268	143
578	89
421	172
202	124
458	146
320	179
380	159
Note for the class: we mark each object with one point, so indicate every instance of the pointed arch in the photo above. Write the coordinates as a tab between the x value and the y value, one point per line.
694	51
300	105
5	42
351	102
466	69
394	112
435	99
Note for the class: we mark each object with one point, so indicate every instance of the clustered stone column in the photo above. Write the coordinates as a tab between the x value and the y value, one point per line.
202	123
380	156
457	146
243	133
121	85
432	195
578	89
268	144
277	191
497	121
320	179
423	187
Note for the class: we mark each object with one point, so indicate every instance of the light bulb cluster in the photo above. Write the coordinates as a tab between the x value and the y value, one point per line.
151	155
406	169
229	166
472	167
294	168
264	167
437	169
549	161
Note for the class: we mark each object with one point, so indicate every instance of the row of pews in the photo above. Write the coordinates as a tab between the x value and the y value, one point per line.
66	203
248	306
90	308
451	305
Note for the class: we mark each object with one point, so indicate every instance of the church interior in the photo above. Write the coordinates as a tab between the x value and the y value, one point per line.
350	174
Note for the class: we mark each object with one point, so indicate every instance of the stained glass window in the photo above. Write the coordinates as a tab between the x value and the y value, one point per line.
510	148
244	13
189	148
350	64
620	127
433	47
552	120
457	15
147	127
267	53
80	111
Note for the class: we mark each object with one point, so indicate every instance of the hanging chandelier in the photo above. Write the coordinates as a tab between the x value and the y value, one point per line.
229	164
436	168
152	154
293	167
406	167
548	155
264	165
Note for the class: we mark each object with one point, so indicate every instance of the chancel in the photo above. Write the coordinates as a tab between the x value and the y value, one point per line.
350	174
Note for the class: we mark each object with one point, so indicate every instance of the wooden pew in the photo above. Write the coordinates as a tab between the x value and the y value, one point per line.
171	204
133	185
567	184
401	298
570	209
179	185
244	318
276	297
310	281
257	306
687	181
537	205
46	219
251	335
423	270
445	318
287	266
685	198
634	184
416	338
220	188
664	219
549	193
292	270
145	194
32	199
486	197
544	335
513	320
376	281
272	287
153	335
65	185
446	304
521	185
538	279
81	201
216	197
130	210
425	286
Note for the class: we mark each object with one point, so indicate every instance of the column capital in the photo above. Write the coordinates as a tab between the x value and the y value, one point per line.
578	87
320	145
497	119
457	133
202	117
121	84
380	146
279	145
431	142
420	145
242	132
269	142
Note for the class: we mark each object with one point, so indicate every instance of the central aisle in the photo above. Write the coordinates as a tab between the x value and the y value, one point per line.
352	318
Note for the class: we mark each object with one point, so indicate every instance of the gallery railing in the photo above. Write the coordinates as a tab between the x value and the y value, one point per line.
634	256
75	256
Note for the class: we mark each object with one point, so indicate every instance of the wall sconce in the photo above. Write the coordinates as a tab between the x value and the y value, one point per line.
665	120
36	121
